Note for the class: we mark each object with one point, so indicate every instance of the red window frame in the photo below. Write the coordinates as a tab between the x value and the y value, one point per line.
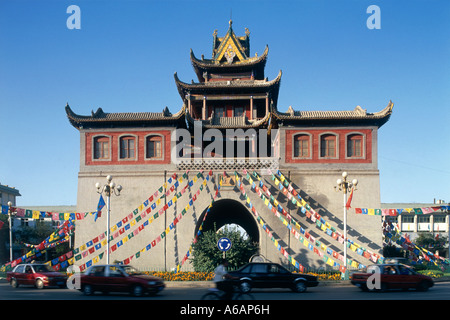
302	146
127	145
101	148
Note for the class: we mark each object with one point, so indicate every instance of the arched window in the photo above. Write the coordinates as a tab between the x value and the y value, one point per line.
101	147
355	146
127	147
302	146
328	146
153	147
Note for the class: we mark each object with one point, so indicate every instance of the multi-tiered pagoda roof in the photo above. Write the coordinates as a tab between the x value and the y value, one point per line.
231	79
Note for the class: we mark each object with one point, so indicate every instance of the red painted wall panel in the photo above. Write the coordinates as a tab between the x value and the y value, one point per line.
342	146
114	147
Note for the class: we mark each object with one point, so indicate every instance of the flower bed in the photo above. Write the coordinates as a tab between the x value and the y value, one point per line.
182	276
207	276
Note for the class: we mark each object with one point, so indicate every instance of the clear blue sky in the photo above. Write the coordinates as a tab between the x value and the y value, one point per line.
125	54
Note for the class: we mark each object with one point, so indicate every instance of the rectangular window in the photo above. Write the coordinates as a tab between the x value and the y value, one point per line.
238	111
154	147
301	146
127	148
219	112
328	146
101	148
407	219
424	219
354	145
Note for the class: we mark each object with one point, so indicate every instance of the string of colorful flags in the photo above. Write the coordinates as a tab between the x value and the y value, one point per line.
59	236
35	214
267	228
399	211
123	230
392	235
172	226
285	186
200	229
123	226
97	243
303	236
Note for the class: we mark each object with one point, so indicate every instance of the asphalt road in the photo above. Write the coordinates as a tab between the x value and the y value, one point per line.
440	291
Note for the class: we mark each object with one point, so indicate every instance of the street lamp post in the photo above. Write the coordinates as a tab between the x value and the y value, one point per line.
345	186
107	189
10	231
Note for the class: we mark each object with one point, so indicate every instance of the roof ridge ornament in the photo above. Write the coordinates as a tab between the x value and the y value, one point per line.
360	111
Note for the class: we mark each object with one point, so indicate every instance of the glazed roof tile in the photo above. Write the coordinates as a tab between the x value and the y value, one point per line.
100	118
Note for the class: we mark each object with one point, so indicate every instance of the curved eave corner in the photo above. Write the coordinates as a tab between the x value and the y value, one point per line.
71	116
385	114
358	114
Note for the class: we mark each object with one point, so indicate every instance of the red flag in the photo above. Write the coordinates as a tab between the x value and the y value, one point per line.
349	200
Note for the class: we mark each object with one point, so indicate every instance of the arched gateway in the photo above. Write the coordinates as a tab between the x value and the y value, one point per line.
171	170
228	211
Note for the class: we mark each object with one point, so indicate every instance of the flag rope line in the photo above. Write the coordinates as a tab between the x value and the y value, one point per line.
310	240
139	228
267	228
199	232
321	223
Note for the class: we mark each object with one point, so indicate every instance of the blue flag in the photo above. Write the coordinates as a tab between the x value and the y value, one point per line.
101	204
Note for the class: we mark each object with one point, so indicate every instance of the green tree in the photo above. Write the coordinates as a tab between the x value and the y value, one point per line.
432	243
207	256
391	251
35	235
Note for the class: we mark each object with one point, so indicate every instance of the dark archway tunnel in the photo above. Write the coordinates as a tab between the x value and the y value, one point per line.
228	211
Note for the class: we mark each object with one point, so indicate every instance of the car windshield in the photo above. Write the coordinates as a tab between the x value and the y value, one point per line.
42	268
278	269
405	270
130	270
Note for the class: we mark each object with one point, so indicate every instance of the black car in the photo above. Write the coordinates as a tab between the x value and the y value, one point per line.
272	275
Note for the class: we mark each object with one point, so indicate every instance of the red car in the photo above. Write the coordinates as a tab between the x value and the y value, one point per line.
119	278
39	275
391	276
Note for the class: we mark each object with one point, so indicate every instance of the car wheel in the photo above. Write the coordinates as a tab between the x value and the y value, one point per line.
245	287
87	290
137	291
383	287
423	286
300	286
39	284
14	283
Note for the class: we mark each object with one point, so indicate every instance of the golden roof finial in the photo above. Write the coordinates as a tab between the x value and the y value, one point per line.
231	22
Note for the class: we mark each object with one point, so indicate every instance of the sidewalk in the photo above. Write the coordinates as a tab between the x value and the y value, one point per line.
210	284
